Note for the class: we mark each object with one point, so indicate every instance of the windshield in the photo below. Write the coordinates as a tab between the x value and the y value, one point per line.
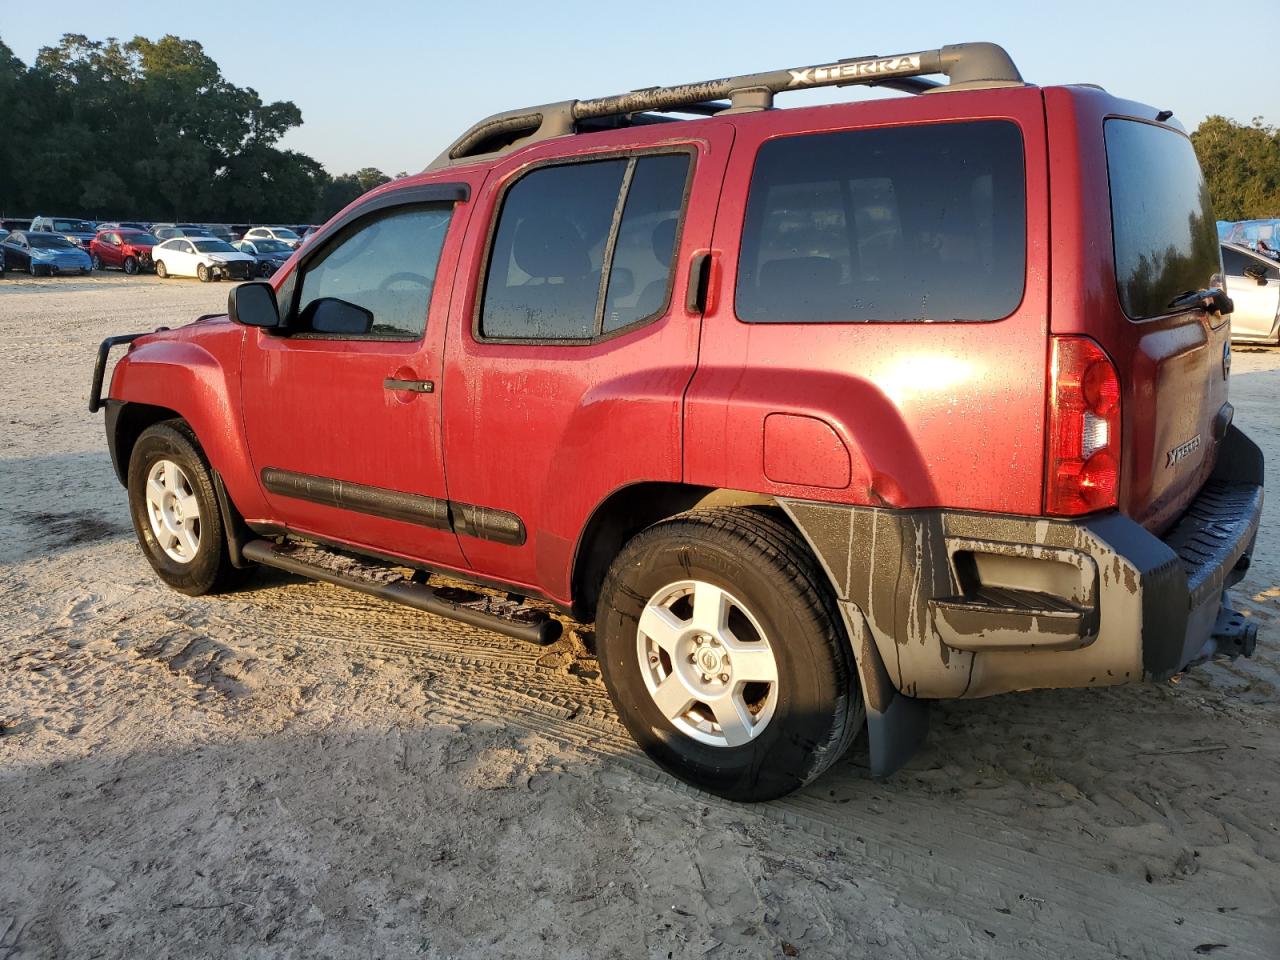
272	246
48	241
1165	235
139	239
285	233
72	226
213	246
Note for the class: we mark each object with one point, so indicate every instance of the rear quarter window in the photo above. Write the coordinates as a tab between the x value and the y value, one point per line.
905	224
1164	234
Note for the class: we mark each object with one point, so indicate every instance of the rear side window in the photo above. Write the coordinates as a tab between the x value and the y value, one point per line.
1162	224
584	249
922	223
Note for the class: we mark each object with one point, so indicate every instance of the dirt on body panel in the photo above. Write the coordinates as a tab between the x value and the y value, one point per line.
296	770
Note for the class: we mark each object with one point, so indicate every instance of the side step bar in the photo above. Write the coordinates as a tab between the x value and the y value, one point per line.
381	580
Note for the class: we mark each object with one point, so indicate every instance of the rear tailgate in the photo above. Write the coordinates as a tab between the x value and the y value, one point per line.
1165	245
1147	238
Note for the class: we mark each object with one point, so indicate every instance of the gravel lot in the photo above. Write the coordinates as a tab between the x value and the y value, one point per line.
298	771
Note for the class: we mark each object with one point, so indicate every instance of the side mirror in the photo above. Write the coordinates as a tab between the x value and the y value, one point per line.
331	315
254	305
1256	272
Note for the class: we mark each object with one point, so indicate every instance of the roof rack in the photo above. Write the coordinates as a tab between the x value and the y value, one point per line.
965	65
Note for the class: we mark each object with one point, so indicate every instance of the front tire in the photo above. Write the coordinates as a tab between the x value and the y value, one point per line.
97	262
161	270
724	654
175	511
130	265
203	273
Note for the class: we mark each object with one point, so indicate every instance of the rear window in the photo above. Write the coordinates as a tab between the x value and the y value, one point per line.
1163	230
920	223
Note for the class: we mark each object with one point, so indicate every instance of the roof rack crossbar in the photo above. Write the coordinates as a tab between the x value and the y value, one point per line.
964	64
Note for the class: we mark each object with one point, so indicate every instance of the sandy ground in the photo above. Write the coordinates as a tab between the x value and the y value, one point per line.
298	771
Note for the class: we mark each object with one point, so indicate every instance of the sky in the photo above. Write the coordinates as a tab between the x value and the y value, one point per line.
389	84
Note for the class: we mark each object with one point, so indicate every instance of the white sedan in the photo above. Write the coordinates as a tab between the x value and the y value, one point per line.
205	257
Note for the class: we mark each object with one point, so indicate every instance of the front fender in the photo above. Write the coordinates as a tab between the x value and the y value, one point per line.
196	374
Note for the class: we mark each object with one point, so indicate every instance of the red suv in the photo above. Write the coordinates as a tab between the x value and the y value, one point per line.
123	249
819	414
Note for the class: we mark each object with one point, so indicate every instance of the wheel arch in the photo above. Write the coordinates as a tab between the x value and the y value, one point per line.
125	422
624	513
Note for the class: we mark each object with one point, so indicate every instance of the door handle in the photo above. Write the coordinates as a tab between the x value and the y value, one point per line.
409	386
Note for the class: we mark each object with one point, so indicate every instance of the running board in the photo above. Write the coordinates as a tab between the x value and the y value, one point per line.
384	580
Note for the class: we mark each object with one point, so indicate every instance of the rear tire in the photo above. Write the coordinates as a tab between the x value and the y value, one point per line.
170	484
779	595
161	271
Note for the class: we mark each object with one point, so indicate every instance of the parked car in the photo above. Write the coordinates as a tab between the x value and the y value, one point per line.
222	232
44	253
15	224
1253	283
2	260
127	250
798	406
167	231
1260	236
283	234
123	225
79	232
205	257
269	254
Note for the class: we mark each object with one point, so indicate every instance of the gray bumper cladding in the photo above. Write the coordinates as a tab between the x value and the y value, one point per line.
969	605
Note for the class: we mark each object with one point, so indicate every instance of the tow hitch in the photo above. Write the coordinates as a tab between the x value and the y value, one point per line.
1233	636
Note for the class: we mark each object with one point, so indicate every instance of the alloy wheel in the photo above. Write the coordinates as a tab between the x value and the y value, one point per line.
173	510
707	663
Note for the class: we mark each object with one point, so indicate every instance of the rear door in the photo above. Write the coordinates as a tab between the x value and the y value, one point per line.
571	340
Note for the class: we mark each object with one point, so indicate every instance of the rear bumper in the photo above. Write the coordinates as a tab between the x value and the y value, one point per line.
968	605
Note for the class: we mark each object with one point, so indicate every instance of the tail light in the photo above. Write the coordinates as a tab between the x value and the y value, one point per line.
1082	469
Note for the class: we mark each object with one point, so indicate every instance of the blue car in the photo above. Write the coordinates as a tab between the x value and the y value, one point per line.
44	253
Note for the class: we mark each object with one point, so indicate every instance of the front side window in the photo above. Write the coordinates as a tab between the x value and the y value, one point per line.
376	278
919	223
1163	230
584	249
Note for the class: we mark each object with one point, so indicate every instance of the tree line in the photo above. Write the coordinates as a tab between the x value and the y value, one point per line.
1241	164
152	130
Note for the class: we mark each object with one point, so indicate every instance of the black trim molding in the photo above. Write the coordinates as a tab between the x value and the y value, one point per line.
464	519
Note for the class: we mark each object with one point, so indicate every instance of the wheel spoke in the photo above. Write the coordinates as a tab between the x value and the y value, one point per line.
734	718
662	627
155	490
190	539
170	477
754	663
710	608
672	698
189	505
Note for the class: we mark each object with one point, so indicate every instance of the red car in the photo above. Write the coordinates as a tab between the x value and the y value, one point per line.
819	414
127	250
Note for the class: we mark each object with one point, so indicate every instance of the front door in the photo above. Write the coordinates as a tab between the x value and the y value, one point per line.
342	411
572	341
